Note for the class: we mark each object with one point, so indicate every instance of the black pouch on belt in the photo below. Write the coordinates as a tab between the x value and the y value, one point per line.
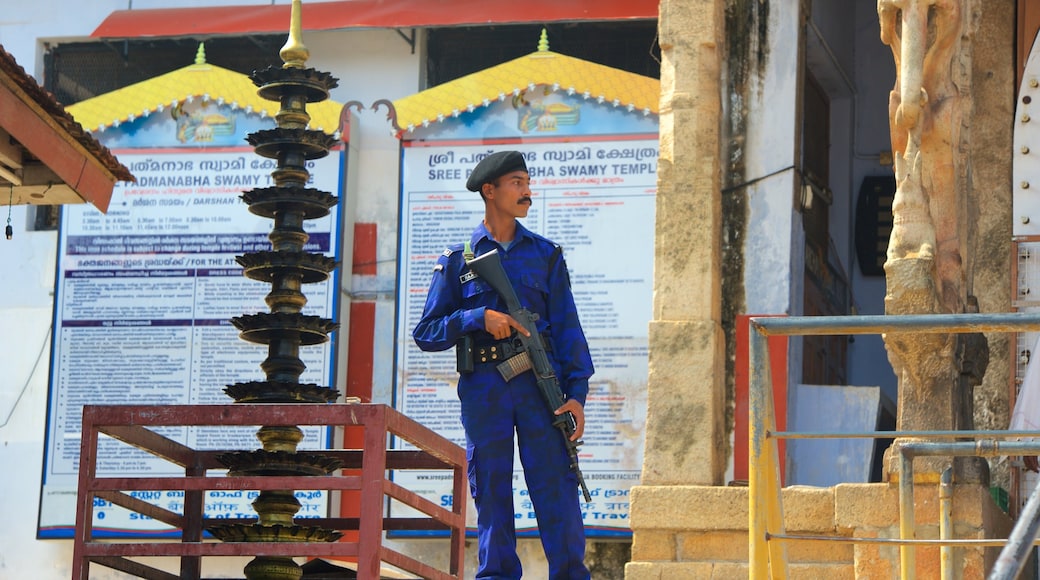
464	354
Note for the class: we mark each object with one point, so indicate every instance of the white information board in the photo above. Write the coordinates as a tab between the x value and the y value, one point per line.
143	301
596	198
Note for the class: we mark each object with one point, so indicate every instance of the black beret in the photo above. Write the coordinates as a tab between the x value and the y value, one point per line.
494	166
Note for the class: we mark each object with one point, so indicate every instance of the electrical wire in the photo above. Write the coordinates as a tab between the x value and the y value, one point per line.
750	182
28	380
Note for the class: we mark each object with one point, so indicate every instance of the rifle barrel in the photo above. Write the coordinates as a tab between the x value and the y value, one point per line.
489	267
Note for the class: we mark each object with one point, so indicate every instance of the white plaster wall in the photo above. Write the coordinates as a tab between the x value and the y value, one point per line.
364	62
25	345
28	262
22	30
770	150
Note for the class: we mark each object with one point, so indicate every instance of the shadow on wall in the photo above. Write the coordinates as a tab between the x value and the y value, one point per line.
606	560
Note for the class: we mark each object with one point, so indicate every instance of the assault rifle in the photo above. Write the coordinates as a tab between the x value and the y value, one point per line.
534	356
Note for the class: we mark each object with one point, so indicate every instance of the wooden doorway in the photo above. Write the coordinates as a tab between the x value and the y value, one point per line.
826	286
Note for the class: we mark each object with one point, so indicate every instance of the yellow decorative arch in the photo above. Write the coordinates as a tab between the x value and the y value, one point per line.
556	72
199	81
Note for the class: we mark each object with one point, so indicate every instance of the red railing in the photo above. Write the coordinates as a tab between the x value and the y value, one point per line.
368	470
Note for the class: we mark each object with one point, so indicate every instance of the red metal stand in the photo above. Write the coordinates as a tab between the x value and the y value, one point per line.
132	424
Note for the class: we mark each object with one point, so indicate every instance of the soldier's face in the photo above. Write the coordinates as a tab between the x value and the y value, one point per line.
511	194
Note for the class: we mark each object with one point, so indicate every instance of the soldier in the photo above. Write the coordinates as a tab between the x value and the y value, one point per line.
493	409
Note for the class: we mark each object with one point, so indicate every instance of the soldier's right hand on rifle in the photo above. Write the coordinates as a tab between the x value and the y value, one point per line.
500	325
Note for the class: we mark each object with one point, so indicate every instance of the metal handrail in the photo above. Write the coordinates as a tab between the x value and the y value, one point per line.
765	510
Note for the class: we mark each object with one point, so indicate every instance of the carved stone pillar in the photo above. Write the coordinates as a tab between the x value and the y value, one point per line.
930	111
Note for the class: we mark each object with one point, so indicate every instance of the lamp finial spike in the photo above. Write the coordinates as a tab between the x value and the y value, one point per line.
294	54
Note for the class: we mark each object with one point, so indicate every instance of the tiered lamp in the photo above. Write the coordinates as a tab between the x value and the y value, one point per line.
285	328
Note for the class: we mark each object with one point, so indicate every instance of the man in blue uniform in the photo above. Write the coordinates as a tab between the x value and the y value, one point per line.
492	409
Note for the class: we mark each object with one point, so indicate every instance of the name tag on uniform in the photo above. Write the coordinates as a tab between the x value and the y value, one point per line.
471	275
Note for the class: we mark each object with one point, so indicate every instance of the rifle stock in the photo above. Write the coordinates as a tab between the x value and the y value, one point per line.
489	267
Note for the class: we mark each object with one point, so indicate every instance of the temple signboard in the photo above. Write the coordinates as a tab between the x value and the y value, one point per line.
145	294
592	153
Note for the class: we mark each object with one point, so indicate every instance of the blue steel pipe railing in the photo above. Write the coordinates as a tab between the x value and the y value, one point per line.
765	511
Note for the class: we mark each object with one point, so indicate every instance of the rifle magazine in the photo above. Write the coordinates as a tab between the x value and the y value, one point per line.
514	365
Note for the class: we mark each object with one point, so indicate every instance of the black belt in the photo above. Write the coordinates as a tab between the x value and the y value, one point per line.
497	351
501	350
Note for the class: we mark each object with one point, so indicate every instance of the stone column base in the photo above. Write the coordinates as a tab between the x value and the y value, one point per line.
702	531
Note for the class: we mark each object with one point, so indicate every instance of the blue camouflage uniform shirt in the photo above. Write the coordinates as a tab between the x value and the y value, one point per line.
454	308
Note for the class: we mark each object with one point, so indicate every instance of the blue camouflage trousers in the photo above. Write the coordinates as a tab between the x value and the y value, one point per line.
492	411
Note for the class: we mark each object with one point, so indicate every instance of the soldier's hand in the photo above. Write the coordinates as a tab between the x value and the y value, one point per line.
1031	463
500	325
575	408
